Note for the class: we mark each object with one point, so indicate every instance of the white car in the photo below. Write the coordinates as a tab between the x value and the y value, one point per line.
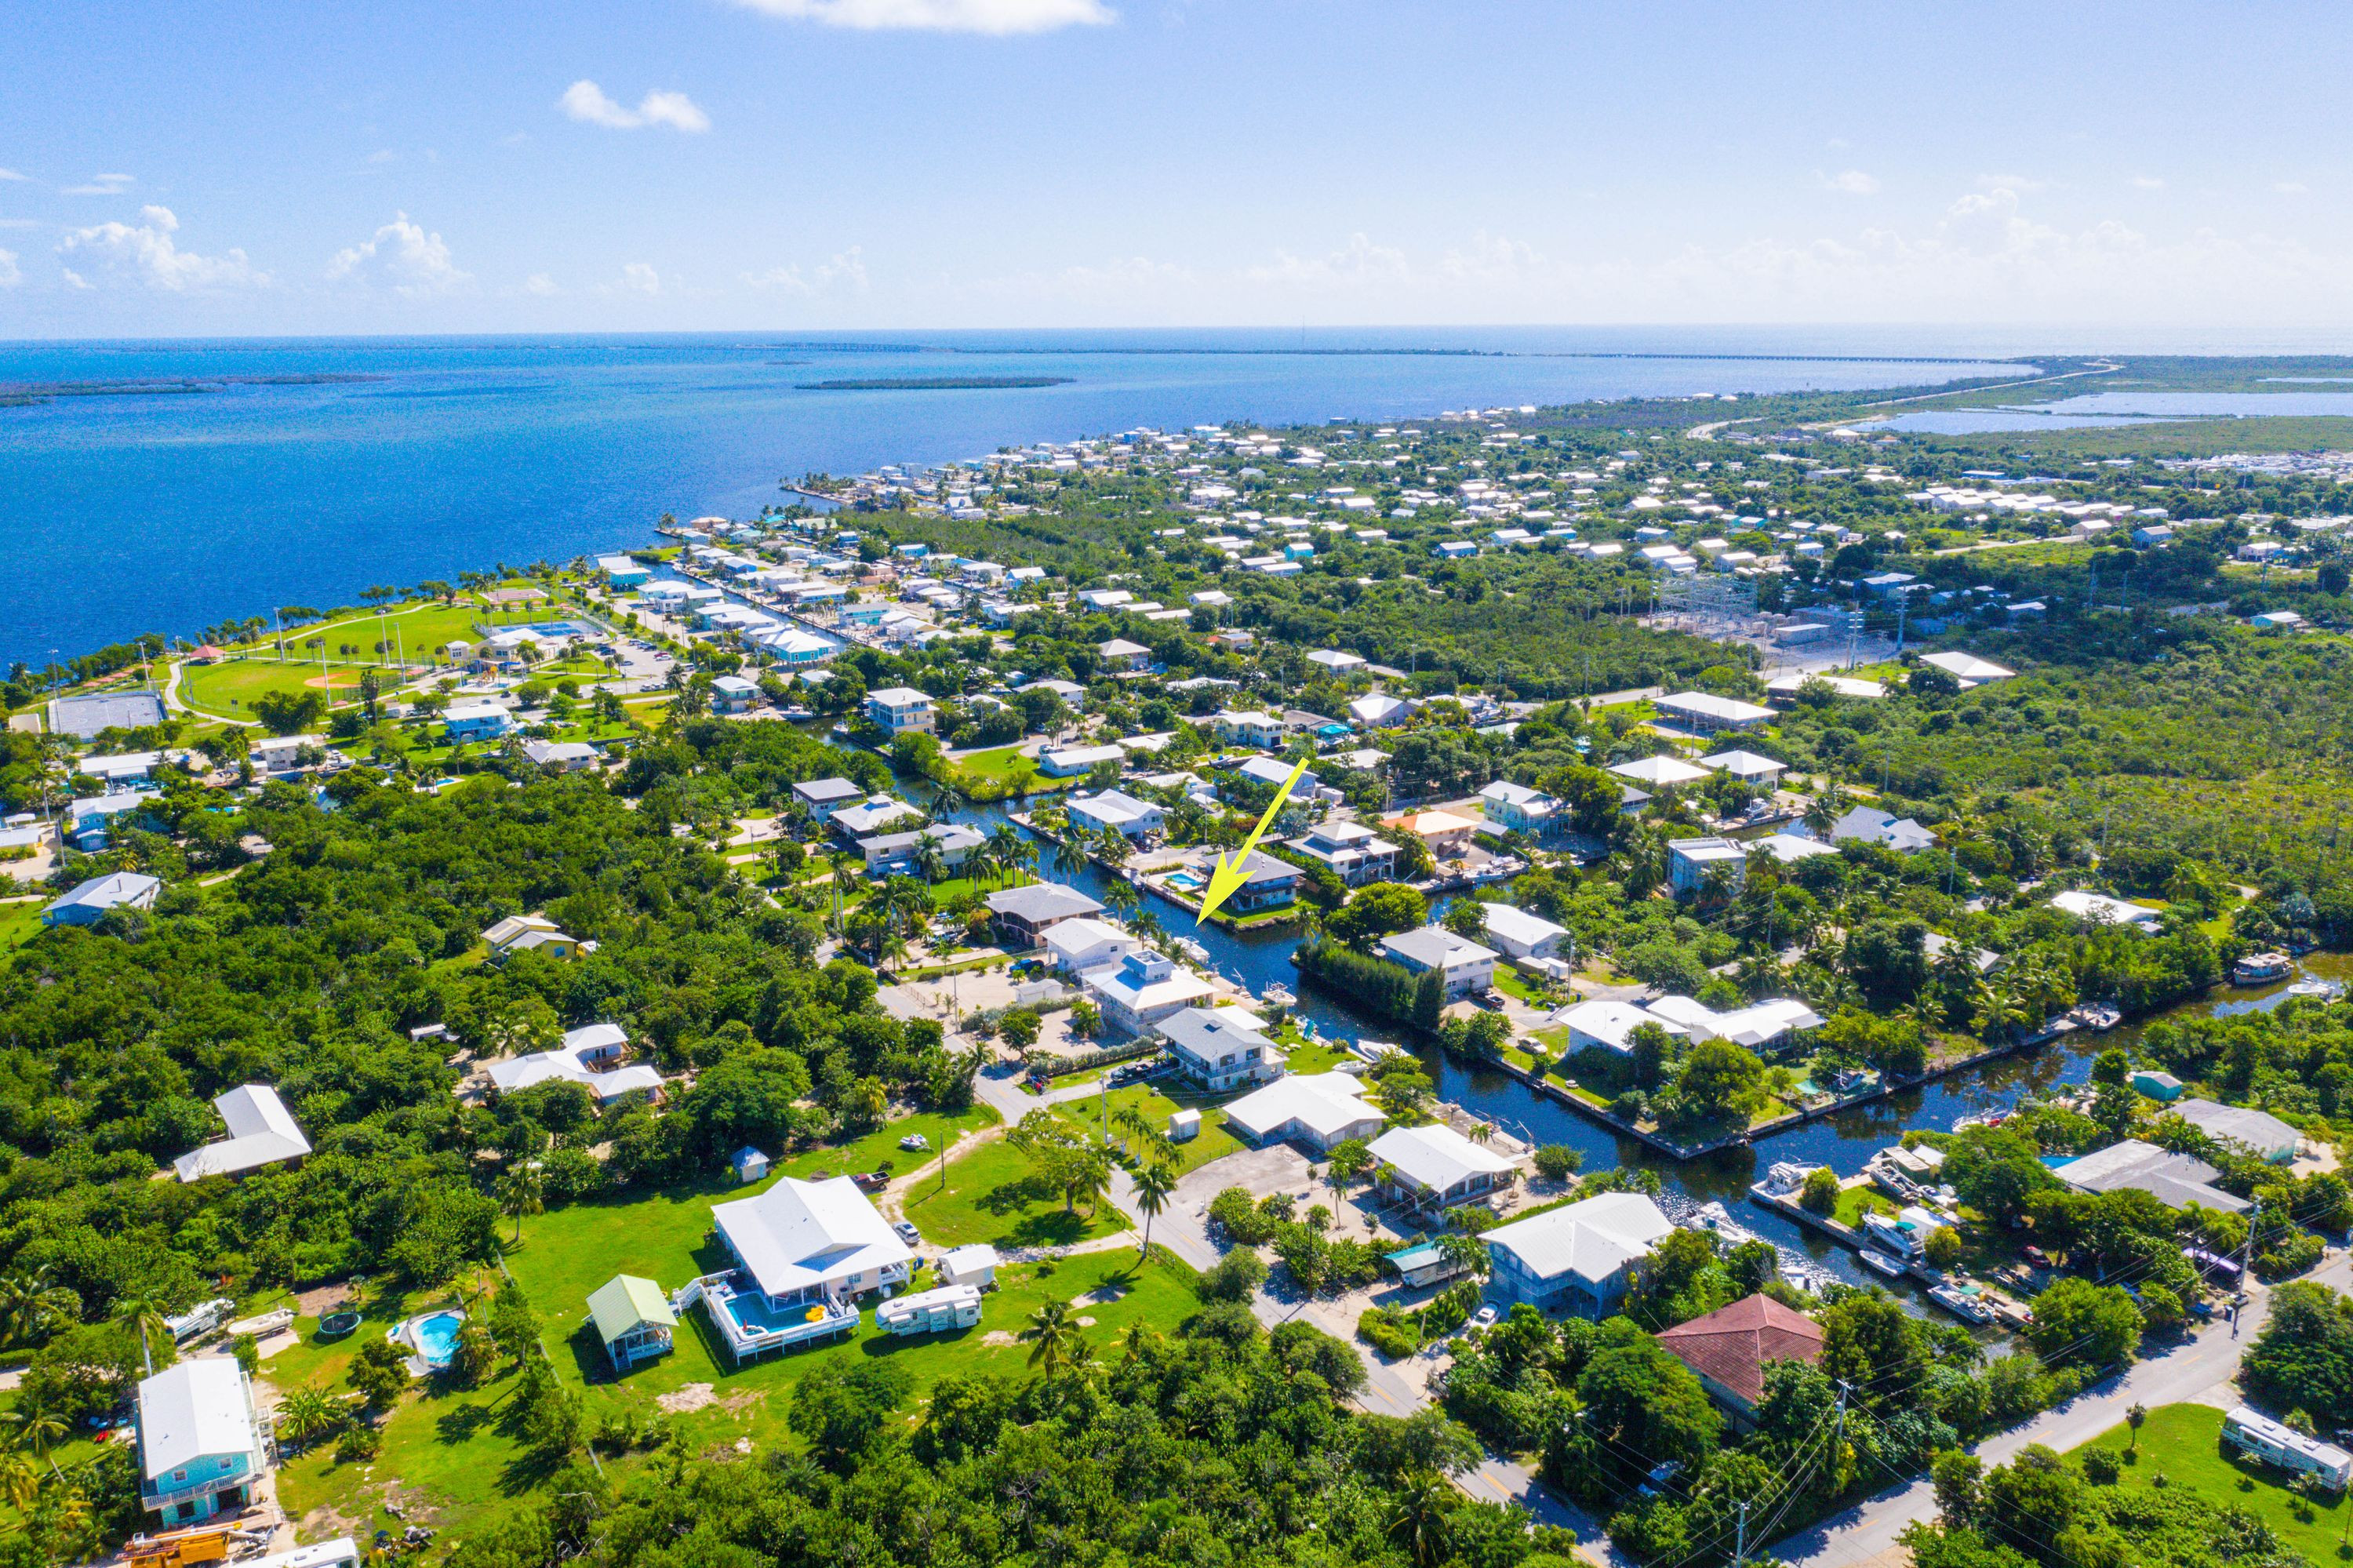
907	1232
1484	1317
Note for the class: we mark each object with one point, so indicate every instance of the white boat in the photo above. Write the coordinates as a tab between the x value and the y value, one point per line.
2315	988
1874	1258
1193	950
1961	1304
2262	969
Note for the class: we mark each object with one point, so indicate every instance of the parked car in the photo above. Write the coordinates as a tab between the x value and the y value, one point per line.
907	1232
1484	1317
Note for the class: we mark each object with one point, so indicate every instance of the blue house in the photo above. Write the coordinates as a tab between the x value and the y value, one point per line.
476	721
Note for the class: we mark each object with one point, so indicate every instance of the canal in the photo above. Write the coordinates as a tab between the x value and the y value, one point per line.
1844	1142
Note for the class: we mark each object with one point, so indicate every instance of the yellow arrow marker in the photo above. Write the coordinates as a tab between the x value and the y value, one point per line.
1227	874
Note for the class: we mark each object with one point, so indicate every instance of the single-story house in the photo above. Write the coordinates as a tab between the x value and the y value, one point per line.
1659	772
1467	966
2102	910
1872	825
1705	713
875	814
1220	1048
2177	1181
1379	711
1728	1349
1748	766
1579	1259
1437	1165
261	1132
1520	935
1611	1025
634	1319
1334	659
86	905
202	1449
1316	1110
564	756
1791	848
585	1056
2258	1132
1069	761
1759	1026
1267	770
1024	915
897	852
1966	668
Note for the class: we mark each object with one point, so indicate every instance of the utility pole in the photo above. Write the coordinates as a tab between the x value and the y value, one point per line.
1740	1541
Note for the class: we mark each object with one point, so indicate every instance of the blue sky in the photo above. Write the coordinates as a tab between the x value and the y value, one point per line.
332	166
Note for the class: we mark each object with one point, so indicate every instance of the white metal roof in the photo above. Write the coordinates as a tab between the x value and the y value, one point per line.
1436	1156
262	1131
1325	1104
800	1234
1592	1240
1517	925
196	1409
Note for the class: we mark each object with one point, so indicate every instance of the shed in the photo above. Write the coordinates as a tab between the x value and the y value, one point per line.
633	1318
972	1265
2158	1086
1184	1125
750	1164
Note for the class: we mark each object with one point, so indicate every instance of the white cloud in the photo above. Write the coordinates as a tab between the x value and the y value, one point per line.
2147	182
103	185
1849	182
1358	263
400	256
2291	187
1490	259
996	16
2028	182
74	278
540	284
10	273
846	270
638	278
10	174
585	101
148	253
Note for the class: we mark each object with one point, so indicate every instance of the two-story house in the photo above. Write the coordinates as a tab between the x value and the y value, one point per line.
896	710
201	1447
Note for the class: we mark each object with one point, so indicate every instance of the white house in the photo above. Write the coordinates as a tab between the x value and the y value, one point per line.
875	814
1220	1048
586	1057
823	797
1436	1164
1520	935
201	1449
1075	946
1335	661
1579	1259
1249	727
2102	910
1966	668
1069	761
1759	1026
1467	966
1611	1025
895	710
1118	809
261	1132
1379	711
1791	848
808	1242
1517	808
1748	766
1353	851
2260	1133
1119	653
1872	825
899	852
1024	915
1146	988
1659	772
1705	715
564	756
1314	1109
1689	861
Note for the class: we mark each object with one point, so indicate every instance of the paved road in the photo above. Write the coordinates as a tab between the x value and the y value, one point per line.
2204	1367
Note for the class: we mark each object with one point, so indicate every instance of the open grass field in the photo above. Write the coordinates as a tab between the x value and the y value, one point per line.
994	1194
1157	1104
20	921
2183	1443
449	1454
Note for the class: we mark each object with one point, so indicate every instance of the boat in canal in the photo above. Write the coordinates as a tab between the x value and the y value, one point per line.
2262	969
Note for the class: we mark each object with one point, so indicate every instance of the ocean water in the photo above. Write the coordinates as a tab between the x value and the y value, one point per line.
167	511
2099	409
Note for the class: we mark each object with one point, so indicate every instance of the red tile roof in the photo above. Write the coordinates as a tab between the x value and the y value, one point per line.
1731	1345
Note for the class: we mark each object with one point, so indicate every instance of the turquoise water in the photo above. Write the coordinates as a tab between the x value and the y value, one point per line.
437	1337
751	1311
170	511
2106	410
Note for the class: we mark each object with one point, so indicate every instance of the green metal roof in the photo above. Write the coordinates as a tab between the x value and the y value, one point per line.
624	1303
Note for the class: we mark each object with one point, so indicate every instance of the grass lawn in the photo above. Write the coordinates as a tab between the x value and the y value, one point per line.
962	966
1006	765
20	922
994	1194
1856	1202
1215	1140
2183	1443
1511	982
1320	1056
949	889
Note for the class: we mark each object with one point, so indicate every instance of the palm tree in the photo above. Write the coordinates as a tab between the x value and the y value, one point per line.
36	1429
20	1482
947	799
1070	854
1050	1334
1122	897
147	1313
1154	1186
1005	846
21	1309
1822	812
1417	1518
1480	1133
305	1414
1467	1254
1112	846
520	1192
930	860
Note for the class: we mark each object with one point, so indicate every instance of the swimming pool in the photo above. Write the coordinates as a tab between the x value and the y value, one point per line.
751	1313
1185	881
436	1337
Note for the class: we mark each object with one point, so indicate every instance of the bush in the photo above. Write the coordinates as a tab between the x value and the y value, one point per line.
1943	1246
1557	1161
1235	1278
1019	1028
1234	1210
2102	1467
359	1445
1386	1333
1821	1193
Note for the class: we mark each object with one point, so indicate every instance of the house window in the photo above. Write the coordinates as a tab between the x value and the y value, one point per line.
179	1475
